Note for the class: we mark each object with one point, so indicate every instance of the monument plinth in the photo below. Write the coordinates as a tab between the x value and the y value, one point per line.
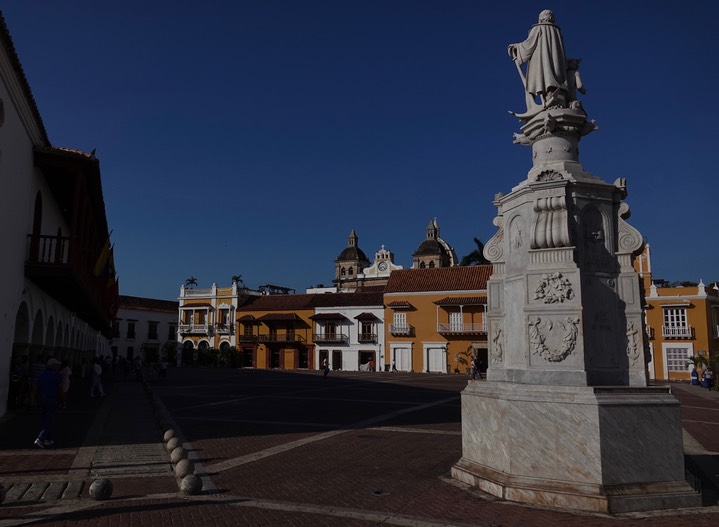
565	417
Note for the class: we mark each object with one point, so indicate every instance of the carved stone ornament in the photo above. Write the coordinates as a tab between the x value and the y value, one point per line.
553	289
494	250
549	175
630	239
551	226
497	347
633	350
553	341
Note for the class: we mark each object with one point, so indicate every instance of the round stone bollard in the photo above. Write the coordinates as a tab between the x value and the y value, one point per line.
169	434
184	467
191	484
178	455
101	489
173	443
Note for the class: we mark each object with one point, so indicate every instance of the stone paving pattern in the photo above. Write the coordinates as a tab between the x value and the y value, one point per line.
290	448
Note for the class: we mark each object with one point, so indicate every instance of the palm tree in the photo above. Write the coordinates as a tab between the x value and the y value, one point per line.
238	278
476	257
191	282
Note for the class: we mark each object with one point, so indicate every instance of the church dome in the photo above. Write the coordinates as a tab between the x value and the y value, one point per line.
352	253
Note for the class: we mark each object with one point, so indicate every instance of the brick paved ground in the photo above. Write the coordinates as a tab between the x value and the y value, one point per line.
281	448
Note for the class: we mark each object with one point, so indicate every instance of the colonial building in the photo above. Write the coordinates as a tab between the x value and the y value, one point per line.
681	322
300	331
144	327
433	251
378	273
60	292
435	318
207	317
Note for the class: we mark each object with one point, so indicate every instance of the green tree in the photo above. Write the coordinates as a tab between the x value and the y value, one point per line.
191	282
238	278
476	257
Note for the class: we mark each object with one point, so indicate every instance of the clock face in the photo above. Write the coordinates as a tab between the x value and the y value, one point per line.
382	266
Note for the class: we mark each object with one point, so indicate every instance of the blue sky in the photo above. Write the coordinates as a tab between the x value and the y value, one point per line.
240	137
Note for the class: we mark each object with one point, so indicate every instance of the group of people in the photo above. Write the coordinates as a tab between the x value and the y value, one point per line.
706	377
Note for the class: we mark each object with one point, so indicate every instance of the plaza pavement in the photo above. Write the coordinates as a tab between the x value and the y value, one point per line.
289	448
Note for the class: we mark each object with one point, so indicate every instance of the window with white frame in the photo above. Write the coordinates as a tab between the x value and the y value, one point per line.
677	359
400	320
675	317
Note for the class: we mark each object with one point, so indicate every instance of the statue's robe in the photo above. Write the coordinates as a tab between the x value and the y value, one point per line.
543	51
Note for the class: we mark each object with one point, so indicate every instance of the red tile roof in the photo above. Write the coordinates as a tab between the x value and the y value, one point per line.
463	278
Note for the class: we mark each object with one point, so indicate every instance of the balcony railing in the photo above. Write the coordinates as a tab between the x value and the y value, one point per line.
224	329
454	328
194	329
330	338
404	330
677	332
202	291
367	338
248	339
281	337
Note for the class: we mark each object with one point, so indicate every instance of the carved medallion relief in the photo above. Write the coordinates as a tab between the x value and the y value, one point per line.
553	340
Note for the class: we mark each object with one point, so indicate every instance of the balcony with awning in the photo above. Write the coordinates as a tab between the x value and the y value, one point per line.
465	315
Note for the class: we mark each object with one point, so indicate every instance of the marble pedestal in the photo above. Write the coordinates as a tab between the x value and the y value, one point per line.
601	449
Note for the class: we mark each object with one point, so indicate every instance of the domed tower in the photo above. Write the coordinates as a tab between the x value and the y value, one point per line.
350	263
433	251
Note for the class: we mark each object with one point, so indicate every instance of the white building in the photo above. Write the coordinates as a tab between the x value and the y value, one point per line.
144	326
60	293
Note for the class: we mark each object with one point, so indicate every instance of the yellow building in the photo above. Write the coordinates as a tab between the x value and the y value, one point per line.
681	322
435	318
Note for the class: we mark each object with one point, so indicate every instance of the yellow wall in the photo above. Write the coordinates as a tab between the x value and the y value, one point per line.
424	316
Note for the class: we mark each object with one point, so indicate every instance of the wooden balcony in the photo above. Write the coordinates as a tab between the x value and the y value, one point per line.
367	338
330	338
64	269
248	339
281	338
462	329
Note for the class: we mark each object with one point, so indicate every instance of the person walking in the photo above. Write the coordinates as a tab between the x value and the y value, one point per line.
65	374
325	367
96	379
48	383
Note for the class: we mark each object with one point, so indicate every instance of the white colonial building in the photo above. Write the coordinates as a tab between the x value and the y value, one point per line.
59	293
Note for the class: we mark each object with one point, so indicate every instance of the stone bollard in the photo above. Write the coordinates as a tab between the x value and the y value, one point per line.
178	455
169	434
101	489
184	467
173	443
191	484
